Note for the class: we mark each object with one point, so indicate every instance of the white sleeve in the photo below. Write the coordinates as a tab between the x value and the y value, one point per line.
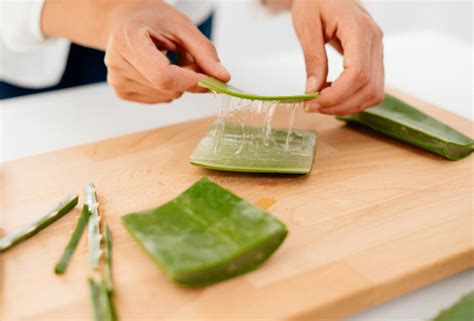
21	23
27	58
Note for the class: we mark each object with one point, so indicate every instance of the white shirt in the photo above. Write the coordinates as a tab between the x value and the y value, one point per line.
28	59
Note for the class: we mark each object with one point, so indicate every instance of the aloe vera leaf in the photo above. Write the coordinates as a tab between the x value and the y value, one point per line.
27	231
406	123
108	258
95	293
94	235
205	235
221	87
463	310
101	303
63	262
239	154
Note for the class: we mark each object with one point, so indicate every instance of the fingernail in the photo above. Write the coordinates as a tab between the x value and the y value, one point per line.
311	84
223	69
311	107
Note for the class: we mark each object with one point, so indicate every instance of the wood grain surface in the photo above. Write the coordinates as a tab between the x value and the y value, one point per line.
375	219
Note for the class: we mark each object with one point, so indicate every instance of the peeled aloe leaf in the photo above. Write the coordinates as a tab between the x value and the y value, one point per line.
108	258
463	310
247	149
221	87
31	229
94	235
206	234
102	304
406	123
62	264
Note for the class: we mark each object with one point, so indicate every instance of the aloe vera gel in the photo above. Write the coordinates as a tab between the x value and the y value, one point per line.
256	134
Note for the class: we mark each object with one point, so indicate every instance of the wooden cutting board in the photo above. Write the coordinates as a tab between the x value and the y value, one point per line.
375	219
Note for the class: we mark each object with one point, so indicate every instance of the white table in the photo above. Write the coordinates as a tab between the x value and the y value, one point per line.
51	121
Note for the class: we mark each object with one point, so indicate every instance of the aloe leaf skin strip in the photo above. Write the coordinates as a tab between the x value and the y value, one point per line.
94	235
10	240
63	262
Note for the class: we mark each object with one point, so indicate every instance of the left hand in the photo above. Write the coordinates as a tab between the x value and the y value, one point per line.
351	30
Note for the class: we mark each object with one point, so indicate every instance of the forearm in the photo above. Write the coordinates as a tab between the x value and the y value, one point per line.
277	5
86	22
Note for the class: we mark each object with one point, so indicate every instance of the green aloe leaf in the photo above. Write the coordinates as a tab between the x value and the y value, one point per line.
27	231
94	235
463	310
406	123
221	87
63	262
102	303
108	258
206	234
286	152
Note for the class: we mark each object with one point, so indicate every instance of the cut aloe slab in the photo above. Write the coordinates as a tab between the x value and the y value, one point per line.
221	87
406	123
206	234
250	149
463	310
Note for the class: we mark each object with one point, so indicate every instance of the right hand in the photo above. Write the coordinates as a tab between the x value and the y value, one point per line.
135	36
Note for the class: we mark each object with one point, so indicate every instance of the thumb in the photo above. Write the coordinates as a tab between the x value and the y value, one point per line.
204	54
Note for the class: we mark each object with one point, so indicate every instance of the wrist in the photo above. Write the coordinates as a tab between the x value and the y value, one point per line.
86	22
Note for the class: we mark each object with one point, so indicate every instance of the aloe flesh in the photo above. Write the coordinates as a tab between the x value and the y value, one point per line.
406	123
63	262
463	310
245	150
221	87
205	235
10	240
102	304
94	235
108	258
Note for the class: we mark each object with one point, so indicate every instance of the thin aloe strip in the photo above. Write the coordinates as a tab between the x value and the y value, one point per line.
108	258
221	87
94	235
63	262
27	231
462	310
101	303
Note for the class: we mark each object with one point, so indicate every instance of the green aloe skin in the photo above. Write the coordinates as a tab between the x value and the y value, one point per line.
102	302
463	310
63	262
10	240
406	123
221	87
205	235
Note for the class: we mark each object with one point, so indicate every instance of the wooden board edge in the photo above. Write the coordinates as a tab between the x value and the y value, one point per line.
378	294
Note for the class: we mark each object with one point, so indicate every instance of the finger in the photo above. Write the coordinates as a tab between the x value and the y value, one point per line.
356	74
368	96
316	61
126	89
204	53
146	99
154	66
118	65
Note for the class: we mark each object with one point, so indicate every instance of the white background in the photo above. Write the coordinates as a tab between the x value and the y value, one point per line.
428	50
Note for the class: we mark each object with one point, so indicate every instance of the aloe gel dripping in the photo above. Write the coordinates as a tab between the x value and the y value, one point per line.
256	136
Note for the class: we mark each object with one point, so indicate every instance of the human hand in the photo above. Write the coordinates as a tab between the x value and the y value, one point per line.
134	35
351	30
